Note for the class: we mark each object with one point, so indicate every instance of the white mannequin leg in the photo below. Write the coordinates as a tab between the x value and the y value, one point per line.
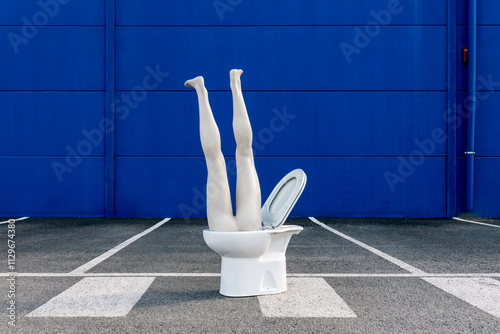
248	198
219	208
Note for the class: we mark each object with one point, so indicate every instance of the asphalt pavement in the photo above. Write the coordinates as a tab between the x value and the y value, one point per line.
345	275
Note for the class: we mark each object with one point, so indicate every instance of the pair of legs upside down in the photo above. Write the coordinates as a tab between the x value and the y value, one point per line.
248	198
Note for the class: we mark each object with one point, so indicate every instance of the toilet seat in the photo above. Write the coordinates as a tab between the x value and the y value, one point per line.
283	198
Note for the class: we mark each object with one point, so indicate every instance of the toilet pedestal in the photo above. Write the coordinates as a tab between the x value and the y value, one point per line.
251	277
253	262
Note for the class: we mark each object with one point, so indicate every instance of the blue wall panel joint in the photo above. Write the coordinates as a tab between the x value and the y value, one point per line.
471	120
110	109
451	92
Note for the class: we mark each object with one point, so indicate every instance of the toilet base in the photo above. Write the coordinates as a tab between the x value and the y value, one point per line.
253	262
242	277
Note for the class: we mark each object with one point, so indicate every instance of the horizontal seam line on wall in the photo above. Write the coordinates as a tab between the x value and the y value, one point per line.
50	91
232	156
479	90
287	91
480	25
267	25
241	25
274	156
50	156
55	25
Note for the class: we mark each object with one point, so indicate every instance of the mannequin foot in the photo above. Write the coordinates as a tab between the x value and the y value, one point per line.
195	83
235	75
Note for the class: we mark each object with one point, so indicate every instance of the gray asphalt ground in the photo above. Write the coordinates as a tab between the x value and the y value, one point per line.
386	297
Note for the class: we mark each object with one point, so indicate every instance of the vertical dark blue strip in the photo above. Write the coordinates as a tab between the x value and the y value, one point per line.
451	157
471	106
110	109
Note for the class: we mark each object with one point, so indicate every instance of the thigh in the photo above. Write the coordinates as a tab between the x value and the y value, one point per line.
219	208
248	197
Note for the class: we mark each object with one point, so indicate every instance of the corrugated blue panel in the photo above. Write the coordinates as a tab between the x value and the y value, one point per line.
174	187
56	58
30	187
110	107
488	54
487	12
358	106
279	12
289	123
52	12
451	92
56	123
161	185
486	185
487	124
285	58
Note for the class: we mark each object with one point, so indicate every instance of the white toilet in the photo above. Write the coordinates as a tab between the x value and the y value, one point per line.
253	262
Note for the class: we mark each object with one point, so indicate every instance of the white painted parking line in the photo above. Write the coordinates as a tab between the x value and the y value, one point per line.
306	297
112	274
91	264
483	293
96	297
339	275
390	275
385	256
475	222
17	219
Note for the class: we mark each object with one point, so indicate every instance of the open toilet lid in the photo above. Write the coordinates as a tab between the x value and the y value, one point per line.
283	198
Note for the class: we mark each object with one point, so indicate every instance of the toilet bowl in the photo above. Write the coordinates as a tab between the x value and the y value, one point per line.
253	262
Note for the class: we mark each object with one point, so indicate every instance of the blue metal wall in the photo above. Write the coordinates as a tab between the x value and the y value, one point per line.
360	94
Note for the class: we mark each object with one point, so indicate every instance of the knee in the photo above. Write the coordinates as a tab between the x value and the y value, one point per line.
244	150
213	155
